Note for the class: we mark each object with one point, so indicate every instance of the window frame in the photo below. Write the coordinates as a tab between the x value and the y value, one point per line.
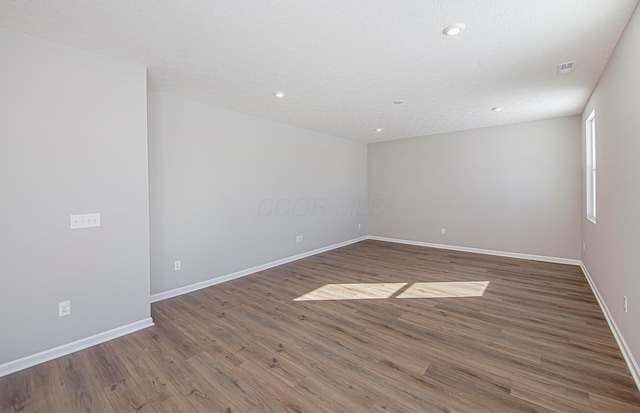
591	171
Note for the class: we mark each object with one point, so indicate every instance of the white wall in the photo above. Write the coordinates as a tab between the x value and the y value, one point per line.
73	140
513	188
230	191
612	254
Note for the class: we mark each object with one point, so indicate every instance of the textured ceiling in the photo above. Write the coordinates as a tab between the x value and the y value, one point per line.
342	63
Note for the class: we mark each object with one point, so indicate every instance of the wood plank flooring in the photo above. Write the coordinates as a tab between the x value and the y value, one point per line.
533	340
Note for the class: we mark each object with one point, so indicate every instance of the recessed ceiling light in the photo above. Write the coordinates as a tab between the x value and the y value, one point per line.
497	108
454	29
378	129
279	94
398	102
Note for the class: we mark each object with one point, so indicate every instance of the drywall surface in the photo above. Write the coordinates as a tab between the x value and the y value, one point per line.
231	191
73	141
513	188
612	253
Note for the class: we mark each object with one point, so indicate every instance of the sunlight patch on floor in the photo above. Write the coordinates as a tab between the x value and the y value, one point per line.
367	291
445	289
376	291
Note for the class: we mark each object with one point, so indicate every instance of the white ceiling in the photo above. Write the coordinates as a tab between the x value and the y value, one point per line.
342	63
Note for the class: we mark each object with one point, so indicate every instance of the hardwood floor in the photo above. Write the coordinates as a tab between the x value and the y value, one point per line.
509	336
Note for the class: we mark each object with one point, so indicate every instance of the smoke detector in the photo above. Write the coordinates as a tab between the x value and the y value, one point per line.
564	68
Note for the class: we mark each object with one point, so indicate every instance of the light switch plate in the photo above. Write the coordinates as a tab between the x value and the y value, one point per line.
85	221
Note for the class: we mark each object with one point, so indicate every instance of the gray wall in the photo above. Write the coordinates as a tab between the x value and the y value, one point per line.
513	188
612	254
73	140
230	191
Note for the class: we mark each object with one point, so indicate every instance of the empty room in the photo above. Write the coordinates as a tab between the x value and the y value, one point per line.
319	206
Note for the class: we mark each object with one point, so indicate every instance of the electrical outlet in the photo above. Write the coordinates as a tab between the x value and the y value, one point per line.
443	231
625	303
64	308
584	246
299	238
359	226
177	265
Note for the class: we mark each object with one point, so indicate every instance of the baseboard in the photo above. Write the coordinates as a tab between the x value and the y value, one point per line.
626	352
63	350
544	258
243	273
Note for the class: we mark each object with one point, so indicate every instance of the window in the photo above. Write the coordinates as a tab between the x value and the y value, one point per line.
590	128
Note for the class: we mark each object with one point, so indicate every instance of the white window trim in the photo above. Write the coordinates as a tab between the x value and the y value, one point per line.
590	173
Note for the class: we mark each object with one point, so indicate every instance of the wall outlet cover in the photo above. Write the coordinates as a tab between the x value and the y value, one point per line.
64	308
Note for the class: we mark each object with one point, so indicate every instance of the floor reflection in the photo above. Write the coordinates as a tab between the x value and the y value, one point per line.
377	291
366	291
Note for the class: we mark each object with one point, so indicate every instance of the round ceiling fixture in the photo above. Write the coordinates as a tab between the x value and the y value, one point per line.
378	129
497	108
279	94
454	29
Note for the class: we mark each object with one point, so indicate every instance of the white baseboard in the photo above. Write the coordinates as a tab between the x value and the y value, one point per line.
626	353
63	350
243	273
556	260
